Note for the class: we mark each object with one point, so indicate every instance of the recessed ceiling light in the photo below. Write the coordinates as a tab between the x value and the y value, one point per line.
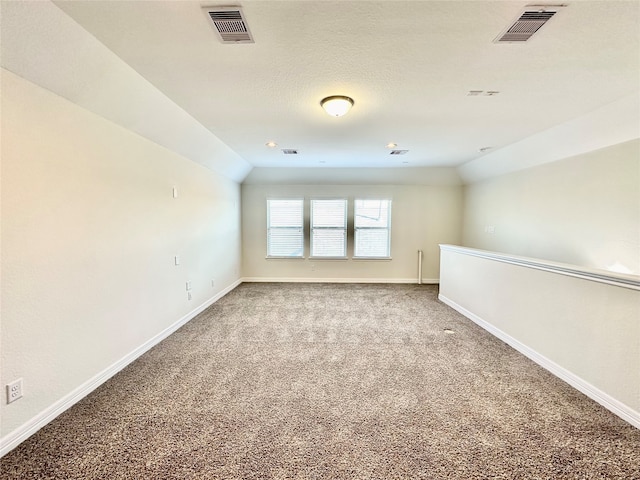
391	145
337	105
271	144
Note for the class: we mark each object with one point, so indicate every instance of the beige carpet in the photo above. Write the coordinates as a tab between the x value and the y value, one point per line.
324	381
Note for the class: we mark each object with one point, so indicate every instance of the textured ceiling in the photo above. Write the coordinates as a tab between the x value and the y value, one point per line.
408	65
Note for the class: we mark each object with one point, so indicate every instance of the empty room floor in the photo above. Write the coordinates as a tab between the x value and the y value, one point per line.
331	381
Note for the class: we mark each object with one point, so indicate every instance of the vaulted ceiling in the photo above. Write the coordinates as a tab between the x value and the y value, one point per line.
409	66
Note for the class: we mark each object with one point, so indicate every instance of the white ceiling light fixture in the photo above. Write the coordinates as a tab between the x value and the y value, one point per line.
337	105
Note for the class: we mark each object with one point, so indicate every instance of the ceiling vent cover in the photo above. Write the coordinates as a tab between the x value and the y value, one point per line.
528	23
398	152
230	24
290	151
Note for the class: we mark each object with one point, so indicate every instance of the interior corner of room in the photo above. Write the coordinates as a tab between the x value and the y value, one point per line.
130	205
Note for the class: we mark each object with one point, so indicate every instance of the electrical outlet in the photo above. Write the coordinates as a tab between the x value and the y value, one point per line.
189	296
188	286
176	260
14	390
213	283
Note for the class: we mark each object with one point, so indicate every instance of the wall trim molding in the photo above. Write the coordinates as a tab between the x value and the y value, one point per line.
600	276
20	434
607	401
338	280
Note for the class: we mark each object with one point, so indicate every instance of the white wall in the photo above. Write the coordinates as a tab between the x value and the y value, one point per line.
42	44
583	210
89	233
586	332
422	217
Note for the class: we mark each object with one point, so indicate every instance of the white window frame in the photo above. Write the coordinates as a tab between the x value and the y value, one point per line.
299	228
356	230
312	228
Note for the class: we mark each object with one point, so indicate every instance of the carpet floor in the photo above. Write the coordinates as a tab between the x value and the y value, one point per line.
326	381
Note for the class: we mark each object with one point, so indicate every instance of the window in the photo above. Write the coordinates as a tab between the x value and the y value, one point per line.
329	228
372	225
285	234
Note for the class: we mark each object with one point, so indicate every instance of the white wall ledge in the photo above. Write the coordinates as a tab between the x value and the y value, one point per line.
594	275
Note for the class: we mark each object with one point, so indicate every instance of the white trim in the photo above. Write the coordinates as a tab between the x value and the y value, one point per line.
328	258
607	401
20	434
368	259
600	276
337	280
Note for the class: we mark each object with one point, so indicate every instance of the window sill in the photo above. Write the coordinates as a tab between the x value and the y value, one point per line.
384	259
328	258
272	257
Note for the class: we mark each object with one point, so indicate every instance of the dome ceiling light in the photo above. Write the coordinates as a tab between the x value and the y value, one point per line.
337	105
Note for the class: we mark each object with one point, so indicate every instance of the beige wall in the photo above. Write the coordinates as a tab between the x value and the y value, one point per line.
89	233
583	210
422	217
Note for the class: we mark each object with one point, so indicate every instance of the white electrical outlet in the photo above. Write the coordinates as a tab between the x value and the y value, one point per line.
176	260
188	286
213	283
175	192
189	296
14	390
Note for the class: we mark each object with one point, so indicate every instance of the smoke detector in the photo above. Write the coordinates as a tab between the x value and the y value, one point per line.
528	22
230	24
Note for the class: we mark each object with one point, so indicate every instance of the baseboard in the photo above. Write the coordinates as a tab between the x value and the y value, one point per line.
604	399
13	439
338	280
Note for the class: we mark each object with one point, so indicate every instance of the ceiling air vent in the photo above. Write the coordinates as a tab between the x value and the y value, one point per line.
528	23
230	24
289	151
398	152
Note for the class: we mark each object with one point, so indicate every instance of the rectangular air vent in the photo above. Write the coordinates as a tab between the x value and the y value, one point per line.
398	152
528	23
289	151
230	24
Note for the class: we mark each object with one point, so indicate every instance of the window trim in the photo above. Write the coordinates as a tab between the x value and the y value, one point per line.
387	228
268	228
345	229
